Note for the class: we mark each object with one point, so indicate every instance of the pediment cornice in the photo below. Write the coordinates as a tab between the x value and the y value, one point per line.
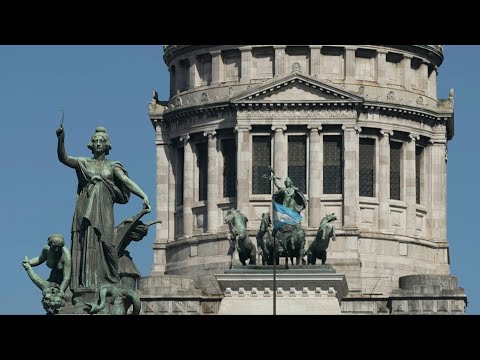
295	89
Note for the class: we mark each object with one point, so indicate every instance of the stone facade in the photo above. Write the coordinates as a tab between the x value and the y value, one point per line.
382	96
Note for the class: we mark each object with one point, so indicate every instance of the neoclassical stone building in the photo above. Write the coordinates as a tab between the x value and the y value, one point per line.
358	128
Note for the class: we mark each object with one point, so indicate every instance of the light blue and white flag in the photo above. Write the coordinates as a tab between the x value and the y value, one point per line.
283	215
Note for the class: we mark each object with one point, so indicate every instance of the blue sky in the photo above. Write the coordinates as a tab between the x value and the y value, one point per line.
111	86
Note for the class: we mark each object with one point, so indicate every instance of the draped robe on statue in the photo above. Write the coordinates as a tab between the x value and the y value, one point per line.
94	257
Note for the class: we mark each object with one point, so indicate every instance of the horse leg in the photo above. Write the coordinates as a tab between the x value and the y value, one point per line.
298	259
253	257
323	256
242	258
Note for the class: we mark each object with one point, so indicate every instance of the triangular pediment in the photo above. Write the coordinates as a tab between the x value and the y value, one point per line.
295	88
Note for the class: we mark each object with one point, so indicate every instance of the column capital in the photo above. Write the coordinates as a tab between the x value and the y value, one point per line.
279	47
161	137
316	46
382	51
355	127
239	128
159	125
215	52
279	127
185	138
245	48
434	141
210	134
386	132
407	56
314	128
414	137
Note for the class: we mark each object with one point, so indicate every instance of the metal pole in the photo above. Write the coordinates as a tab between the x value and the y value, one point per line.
274	279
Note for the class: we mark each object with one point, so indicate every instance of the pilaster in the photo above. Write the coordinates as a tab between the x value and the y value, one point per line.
350	176
218	71
410	187
279	60
243	168
280	151
315	176
384	180
315	60
246	61
187	186
212	182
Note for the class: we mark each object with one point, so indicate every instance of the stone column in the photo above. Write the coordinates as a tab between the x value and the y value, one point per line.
172	206
243	168
349	64
432	83
246	61
212	183
407	72
410	189
218	71
384	180
162	198
315	177
350	175
194	76
172	71
427	196
315	60
280	152
439	183
423	76
187	186
179	76
381	66
279	60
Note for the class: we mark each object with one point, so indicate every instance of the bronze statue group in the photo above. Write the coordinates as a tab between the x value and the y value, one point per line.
287	238
99	276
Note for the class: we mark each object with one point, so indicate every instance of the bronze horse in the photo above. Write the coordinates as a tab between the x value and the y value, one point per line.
318	248
265	241
237	223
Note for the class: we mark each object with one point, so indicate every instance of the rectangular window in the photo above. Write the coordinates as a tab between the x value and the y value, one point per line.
229	152
261	161
205	71
395	156
367	167
365	64
332	164
179	177
263	64
232	61
418	173
393	67
333	63
297	161
202	165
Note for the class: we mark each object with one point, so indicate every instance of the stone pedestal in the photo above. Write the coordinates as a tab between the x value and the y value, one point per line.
174	295
428	294
300	290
